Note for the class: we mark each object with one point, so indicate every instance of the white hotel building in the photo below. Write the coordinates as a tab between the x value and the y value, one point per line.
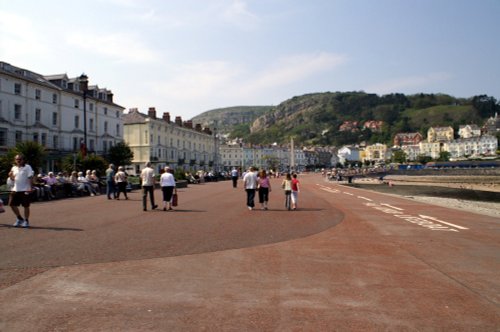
51	111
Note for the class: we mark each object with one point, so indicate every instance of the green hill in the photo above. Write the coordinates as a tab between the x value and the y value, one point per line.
314	119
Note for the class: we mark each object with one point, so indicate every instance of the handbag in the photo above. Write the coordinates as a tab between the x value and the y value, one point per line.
174	200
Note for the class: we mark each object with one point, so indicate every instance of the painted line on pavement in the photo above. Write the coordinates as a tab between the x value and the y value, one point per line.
442	222
392	207
433	226
366	199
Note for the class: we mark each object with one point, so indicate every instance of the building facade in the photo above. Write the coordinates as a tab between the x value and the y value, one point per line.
58	112
165	143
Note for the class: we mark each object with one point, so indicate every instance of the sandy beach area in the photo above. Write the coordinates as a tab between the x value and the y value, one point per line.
478	194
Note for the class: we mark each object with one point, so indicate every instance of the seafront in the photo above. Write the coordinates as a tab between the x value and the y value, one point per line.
347	259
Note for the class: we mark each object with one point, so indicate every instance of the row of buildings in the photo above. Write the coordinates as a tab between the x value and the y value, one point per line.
65	114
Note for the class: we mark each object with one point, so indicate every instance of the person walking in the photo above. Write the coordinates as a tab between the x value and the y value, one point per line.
110	181
250	185
234	177
21	176
295	191
167	183
287	187
148	186
121	182
264	187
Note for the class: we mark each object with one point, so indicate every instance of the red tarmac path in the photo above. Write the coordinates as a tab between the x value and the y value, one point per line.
348	259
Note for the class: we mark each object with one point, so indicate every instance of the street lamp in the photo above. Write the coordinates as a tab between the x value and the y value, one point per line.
84	81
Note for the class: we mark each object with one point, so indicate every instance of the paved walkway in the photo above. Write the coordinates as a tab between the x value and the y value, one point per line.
91	264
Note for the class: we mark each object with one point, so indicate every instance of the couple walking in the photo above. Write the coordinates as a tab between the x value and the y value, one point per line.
167	184
260	182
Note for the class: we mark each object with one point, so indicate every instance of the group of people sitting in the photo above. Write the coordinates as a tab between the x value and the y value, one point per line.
74	184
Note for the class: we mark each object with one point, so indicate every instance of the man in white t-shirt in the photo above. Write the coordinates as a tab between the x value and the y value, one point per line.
21	175
148	185
250	185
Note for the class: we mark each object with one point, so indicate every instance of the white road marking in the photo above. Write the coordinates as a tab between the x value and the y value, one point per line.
412	219
392	207
366	199
442	222
348	193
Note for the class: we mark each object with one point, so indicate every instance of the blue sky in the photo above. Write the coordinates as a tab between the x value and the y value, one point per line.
189	56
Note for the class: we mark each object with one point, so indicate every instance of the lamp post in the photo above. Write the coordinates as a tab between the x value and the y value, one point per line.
84	87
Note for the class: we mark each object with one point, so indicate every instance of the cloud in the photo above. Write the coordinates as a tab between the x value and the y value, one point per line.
121	47
238	14
220	83
293	69
410	82
19	37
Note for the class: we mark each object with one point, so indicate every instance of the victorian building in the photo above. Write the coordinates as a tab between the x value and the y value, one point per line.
162	142
62	113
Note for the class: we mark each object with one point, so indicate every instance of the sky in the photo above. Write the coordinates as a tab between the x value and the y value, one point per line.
190	56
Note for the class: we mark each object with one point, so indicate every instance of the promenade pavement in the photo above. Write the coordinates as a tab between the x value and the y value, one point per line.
92	264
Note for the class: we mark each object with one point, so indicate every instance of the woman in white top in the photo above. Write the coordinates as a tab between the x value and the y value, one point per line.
167	183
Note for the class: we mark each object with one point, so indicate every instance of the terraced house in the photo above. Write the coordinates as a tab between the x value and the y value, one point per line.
57	111
162	142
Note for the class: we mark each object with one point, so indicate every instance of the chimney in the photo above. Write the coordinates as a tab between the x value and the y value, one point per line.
188	124
133	110
178	121
207	131
152	113
198	127
166	117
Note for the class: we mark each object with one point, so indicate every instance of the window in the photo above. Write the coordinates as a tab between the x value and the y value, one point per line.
54	119
117	130
44	139
35	137
17	112
91	145
38	114
38	94
3	136
54	98
91	107
105	146
105	111
77	121
55	142
105	126
19	136
17	89
77	103
75	144
91	124
117	114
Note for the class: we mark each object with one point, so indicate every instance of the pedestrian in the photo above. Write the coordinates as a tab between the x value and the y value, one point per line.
234	177
264	187
148	186
287	187
110	181
167	183
121	182
295	191
250	185
21	176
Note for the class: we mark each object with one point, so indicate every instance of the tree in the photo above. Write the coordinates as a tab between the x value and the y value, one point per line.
120	154
33	152
399	156
444	156
486	106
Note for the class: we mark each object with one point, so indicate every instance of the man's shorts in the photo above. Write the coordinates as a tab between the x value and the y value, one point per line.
17	198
